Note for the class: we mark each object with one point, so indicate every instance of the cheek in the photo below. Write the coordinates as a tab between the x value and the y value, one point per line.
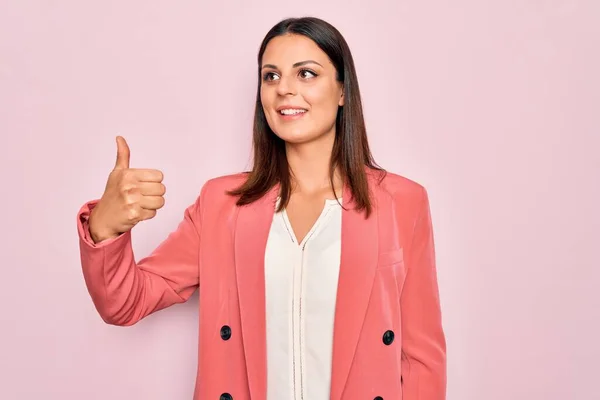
266	100
315	96
322	97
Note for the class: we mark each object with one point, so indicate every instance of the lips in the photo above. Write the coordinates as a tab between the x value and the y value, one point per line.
291	114
292	111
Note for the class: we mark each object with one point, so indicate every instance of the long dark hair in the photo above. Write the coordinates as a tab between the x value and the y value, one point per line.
350	152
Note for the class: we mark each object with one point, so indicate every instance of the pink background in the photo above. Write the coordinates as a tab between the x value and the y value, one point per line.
492	105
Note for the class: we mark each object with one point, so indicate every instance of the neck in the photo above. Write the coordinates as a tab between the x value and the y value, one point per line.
309	165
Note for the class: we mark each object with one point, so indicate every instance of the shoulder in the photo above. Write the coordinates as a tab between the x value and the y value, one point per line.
213	196
396	186
403	192
222	184
214	190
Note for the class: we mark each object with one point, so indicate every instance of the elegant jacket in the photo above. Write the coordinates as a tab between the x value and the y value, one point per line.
388	337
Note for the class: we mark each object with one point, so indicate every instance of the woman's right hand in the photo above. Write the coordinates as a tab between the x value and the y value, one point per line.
131	195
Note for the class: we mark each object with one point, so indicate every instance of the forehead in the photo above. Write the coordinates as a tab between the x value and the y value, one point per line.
286	50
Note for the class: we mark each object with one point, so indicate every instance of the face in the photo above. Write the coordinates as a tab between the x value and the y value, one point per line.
299	92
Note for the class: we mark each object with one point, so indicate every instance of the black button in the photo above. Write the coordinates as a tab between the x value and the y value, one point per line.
388	337
378	398
225	333
226	396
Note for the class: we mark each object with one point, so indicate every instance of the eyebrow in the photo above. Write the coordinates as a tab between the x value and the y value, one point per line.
298	64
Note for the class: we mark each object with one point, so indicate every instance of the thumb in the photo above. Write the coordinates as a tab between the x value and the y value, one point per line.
122	154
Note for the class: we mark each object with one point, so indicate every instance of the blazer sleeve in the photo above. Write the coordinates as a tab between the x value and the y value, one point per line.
125	291
423	339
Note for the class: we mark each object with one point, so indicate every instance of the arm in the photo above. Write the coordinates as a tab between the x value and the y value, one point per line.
423	339
124	291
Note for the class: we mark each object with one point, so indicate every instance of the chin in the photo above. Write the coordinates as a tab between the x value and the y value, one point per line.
294	137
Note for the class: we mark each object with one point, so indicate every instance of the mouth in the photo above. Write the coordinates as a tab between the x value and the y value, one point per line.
292	113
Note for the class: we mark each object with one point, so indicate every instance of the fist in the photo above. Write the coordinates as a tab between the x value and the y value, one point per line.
131	195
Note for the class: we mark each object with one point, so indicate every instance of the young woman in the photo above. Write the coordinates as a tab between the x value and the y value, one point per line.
316	270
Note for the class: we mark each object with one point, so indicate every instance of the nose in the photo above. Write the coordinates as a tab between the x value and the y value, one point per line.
286	86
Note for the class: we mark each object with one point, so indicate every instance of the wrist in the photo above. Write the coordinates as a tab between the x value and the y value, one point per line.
97	233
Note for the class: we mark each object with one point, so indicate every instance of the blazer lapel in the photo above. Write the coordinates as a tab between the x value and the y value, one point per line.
357	271
251	233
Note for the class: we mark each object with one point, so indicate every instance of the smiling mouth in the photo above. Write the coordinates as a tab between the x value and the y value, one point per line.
290	111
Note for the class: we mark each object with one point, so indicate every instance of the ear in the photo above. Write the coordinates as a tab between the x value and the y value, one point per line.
341	101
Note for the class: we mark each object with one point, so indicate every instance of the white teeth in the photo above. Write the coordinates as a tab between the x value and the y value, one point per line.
292	111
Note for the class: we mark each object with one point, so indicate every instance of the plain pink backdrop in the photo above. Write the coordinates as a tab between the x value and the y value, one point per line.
493	106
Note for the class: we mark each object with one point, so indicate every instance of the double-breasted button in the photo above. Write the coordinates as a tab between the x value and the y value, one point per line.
378	398
388	337
226	396
225	332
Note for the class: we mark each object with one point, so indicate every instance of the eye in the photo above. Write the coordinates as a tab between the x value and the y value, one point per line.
303	73
269	76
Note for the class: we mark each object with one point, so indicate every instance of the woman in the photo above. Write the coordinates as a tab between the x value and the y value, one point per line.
315	270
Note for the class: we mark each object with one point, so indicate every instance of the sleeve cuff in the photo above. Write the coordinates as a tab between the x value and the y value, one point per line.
83	228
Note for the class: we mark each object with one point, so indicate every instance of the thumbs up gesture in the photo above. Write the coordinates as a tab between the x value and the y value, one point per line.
131	195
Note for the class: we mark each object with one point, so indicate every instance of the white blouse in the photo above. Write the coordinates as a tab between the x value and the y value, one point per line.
301	286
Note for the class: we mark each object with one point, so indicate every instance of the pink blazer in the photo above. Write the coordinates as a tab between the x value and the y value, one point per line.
388	337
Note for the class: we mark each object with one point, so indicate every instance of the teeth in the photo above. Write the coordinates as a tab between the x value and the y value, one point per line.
292	111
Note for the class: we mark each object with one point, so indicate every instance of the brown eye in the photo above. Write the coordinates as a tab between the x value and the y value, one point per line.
307	73
269	76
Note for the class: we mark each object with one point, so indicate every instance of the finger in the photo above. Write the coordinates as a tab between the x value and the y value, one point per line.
151	188
147	214
147	175
152	202
137	214
122	154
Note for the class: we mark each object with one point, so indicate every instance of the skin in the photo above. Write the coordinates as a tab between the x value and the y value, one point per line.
312	85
